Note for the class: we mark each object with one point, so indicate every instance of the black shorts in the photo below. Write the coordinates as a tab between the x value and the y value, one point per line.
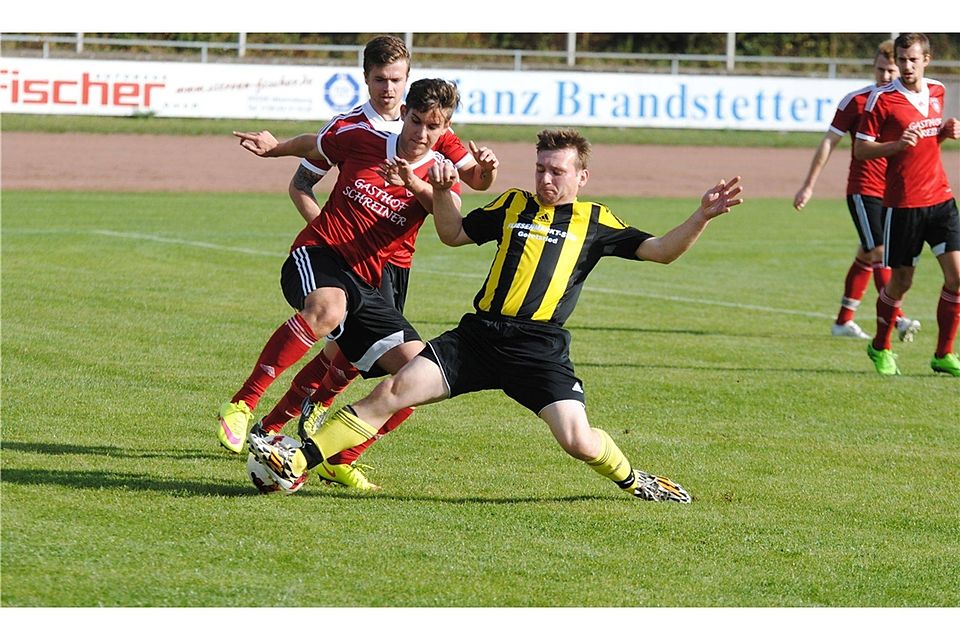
372	325
867	214
394	284
906	230
529	361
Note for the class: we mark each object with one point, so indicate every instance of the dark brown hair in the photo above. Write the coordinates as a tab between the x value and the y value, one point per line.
907	40
552	139
428	94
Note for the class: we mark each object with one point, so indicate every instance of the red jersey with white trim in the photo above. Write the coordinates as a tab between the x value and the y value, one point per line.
449	145
866	177
915	176
365	220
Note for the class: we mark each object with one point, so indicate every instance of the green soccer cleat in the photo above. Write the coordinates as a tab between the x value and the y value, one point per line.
235	419
311	417
347	475
949	363
884	360
658	488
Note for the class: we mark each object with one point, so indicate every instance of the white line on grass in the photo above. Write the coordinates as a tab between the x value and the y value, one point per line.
187	243
620	292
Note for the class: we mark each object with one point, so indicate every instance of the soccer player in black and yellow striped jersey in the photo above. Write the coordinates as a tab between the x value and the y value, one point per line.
547	244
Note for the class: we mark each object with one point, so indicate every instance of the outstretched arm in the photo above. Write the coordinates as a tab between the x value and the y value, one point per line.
446	205
820	157
673	244
263	144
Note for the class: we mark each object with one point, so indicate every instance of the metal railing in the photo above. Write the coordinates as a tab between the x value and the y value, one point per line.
515	59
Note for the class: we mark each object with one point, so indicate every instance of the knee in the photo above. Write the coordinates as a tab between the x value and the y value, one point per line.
900	282
323	319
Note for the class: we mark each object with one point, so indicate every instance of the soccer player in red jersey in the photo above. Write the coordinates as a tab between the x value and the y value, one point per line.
386	66
865	182
903	122
337	261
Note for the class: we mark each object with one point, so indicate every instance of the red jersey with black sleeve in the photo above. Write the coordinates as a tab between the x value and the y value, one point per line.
915	176
449	145
866	177
365	220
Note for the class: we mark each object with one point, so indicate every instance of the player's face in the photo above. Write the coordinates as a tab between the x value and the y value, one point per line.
386	85
557	177
884	71
421	131
912	62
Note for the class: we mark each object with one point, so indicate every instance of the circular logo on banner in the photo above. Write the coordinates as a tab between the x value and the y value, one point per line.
341	92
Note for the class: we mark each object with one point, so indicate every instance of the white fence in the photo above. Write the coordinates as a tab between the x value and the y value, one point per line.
516	59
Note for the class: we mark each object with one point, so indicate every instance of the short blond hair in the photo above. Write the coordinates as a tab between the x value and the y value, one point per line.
885	49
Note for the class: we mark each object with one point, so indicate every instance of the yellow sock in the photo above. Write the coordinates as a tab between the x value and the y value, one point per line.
299	463
340	431
611	463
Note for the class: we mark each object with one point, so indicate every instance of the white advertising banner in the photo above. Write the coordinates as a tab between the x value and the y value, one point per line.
195	90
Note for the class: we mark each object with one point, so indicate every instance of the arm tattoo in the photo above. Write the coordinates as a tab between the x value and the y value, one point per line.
304	180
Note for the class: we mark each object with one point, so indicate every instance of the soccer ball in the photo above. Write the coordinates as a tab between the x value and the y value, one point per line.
265	480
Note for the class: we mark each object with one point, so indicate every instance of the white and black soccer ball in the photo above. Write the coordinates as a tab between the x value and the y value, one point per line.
265	480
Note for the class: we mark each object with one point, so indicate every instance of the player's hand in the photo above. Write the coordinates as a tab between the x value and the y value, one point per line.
950	129
721	198
802	198
443	175
485	157
909	138
259	143
396	172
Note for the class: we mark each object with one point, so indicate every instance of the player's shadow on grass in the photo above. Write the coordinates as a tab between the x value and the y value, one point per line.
58	449
105	479
344	494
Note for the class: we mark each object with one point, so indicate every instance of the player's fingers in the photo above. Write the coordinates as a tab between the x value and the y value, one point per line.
474	149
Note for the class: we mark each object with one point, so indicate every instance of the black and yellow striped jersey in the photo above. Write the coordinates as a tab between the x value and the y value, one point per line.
544	253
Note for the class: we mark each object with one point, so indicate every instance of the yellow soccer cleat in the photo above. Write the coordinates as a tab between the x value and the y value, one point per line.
235	418
347	475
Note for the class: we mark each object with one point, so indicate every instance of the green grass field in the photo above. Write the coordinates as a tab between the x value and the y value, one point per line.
128	319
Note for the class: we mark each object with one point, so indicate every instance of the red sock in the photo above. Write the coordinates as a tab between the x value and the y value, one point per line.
304	384
289	343
858	279
337	378
948	320
887	311
881	275
349	456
